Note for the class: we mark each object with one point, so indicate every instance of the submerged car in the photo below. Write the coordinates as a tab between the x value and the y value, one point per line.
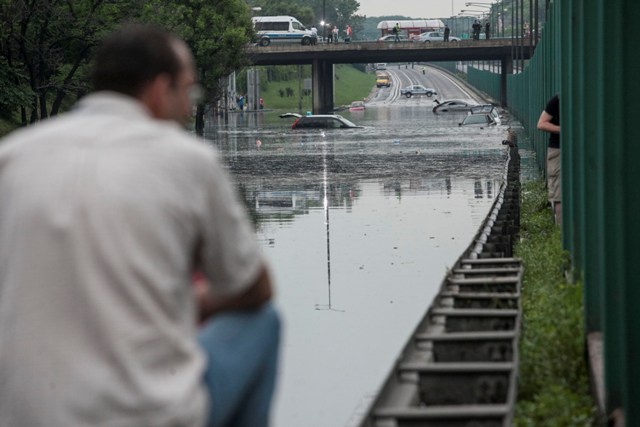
320	121
409	91
357	106
487	109
453	105
479	120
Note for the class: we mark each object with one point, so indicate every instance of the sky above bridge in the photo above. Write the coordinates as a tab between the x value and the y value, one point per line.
416	8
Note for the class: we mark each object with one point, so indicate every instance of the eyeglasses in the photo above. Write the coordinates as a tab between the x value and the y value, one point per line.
195	94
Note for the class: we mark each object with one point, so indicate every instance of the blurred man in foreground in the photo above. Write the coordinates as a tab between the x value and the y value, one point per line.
106	213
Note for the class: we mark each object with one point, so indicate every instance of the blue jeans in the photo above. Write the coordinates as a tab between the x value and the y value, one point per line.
242	352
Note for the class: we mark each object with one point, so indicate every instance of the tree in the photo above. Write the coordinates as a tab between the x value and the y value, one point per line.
46	48
217	32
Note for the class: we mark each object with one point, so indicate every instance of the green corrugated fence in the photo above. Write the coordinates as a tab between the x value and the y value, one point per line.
589	54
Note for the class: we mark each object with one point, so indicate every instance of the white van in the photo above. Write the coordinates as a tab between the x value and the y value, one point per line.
282	29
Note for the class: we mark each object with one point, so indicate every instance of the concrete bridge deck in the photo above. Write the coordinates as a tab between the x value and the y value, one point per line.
322	57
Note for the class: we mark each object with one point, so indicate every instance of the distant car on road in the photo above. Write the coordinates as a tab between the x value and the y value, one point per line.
391	38
453	105
383	80
320	121
409	91
435	36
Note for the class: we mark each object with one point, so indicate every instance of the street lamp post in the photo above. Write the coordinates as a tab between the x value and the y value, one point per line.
324	20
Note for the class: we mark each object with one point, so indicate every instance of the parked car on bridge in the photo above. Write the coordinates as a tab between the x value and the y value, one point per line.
453	105
435	36
391	38
320	121
409	91
282	29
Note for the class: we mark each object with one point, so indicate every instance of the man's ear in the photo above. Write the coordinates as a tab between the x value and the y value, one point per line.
156	96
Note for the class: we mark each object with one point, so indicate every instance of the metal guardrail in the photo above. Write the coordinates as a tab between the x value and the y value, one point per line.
460	365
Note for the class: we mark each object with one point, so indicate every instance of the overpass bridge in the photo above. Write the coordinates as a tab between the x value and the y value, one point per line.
322	57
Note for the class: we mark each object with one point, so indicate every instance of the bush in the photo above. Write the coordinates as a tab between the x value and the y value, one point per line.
553	388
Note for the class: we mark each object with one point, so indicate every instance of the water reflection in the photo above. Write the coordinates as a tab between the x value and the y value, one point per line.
359	227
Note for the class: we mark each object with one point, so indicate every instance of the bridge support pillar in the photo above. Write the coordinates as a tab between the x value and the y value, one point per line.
322	76
505	69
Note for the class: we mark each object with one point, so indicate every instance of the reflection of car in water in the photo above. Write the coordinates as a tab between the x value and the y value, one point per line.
409	91
453	105
320	121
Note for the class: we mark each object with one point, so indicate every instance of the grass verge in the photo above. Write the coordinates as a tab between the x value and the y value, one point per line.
553	386
351	84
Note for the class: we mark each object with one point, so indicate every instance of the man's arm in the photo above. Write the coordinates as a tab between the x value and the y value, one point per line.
544	123
258	293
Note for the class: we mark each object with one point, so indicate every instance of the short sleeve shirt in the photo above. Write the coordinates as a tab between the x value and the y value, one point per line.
105	214
553	109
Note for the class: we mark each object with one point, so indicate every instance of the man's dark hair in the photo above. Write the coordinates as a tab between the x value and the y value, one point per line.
132	57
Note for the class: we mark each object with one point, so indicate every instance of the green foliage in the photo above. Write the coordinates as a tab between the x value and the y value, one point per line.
46	47
217	33
352	84
14	90
553	387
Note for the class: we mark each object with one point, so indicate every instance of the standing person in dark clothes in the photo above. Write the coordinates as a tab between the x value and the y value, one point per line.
446	33
487	30
549	121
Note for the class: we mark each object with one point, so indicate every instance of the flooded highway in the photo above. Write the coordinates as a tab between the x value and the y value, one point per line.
359	227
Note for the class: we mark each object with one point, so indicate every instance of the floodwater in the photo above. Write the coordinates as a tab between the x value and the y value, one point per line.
359	227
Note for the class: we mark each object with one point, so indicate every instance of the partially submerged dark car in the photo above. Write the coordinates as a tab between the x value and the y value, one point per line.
453	105
320	121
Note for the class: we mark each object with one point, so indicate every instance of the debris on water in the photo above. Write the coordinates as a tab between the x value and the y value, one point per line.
258	143
396	141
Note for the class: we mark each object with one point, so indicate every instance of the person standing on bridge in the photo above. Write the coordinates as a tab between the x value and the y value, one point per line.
549	121
446	33
106	213
396	32
335	34
348	32
487	30
476	29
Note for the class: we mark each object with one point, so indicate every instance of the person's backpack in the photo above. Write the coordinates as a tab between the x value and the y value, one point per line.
395	30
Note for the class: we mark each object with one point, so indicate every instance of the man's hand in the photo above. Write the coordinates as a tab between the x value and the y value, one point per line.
253	297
